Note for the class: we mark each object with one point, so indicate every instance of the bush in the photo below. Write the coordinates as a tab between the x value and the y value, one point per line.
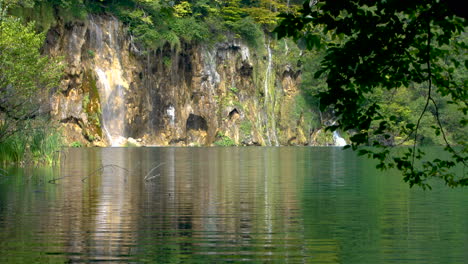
224	141
248	30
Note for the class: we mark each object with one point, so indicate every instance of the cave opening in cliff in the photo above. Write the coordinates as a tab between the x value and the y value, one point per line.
196	122
234	113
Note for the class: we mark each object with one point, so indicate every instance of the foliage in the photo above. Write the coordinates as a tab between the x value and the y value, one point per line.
25	75
388	46
25	80
224	141
183	9
248	30
38	143
76	144
156	23
234	89
302	108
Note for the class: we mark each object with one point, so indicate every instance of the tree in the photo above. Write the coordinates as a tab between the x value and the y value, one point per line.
25	74
391	46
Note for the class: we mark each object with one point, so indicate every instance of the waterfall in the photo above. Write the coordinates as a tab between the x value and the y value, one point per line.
209	70
267	72
338	140
271	129
245	53
171	113
113	105
110	81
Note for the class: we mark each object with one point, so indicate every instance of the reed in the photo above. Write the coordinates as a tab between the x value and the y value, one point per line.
33	146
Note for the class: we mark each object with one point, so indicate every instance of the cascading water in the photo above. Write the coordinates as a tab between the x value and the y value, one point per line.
271	129
338	140
267	73
209	70
110	77
171	113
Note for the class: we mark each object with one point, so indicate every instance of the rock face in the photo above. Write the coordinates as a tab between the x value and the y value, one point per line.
197	95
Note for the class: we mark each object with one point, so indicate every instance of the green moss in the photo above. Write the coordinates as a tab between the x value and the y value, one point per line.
238	105
167	61
41	13
234	89
91	53
324	138
86	101
92	107
246	127
303	109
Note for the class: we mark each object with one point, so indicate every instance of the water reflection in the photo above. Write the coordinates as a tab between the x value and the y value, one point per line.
298	205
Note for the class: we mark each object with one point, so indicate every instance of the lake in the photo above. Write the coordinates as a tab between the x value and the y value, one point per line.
212	205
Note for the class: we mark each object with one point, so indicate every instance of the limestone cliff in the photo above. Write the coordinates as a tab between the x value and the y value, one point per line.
195	95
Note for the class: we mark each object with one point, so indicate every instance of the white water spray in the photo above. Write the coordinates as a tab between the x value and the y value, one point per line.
267	73
171	113
338	140
271	130
110	81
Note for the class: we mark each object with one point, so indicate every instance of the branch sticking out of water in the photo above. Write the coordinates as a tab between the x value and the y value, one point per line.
152	177
149	177
54	180
101	169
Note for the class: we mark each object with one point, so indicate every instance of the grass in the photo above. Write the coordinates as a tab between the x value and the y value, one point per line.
37	146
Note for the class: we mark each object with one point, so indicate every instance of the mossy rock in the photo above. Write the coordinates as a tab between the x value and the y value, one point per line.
92	107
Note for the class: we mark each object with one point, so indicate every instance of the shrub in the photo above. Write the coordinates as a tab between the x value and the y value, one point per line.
248	30
224	141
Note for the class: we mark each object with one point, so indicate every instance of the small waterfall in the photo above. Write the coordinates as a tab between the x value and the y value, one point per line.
338	140
111	83
171	113
209	70
271	128
113	105
245	53
268	73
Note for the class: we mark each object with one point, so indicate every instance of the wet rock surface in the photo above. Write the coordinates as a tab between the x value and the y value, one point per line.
169	97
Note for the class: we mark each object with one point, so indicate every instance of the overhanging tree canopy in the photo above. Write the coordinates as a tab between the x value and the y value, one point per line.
389	45
25	74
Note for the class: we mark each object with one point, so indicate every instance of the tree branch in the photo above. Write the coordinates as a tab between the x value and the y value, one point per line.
447	143
429	79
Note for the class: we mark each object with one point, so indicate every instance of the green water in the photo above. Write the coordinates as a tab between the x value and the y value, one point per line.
212	205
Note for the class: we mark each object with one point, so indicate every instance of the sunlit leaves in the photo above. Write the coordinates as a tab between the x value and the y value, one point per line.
25	74
388	46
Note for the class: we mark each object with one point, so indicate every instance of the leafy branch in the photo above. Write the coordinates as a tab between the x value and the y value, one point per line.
387	45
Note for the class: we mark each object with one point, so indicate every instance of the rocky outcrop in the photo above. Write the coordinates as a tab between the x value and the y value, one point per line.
114	90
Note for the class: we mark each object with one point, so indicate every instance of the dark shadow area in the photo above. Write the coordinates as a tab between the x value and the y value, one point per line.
196	122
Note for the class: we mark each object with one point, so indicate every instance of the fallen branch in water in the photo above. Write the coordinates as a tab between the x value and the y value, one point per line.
148	178
152	177
101	169
54	180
